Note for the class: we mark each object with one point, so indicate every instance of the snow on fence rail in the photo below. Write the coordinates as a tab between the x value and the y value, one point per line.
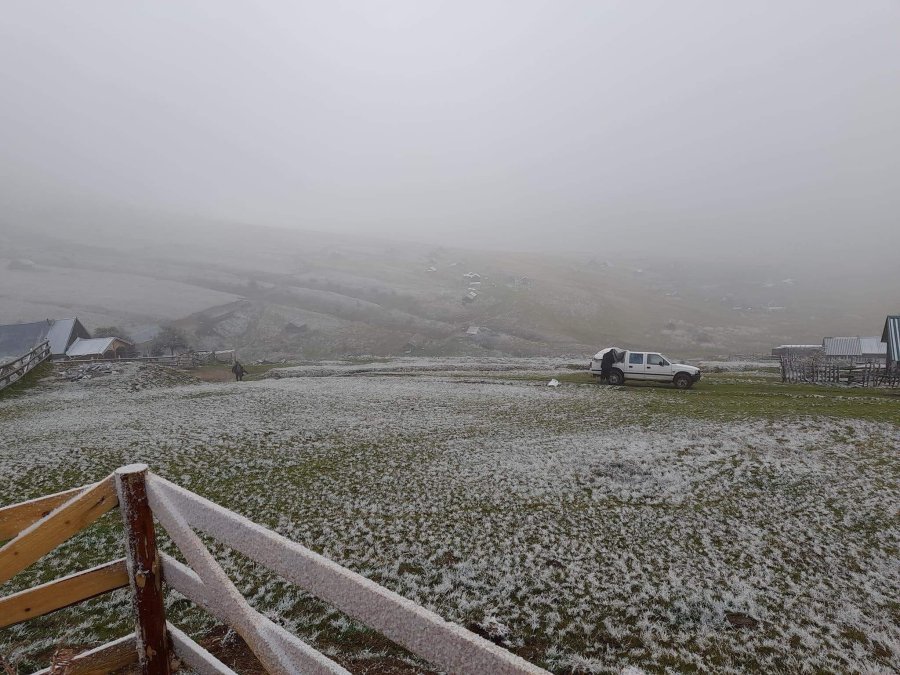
38	526
14	370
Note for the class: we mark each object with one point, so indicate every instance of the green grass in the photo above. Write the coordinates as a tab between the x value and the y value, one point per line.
739	396
30	380
358	472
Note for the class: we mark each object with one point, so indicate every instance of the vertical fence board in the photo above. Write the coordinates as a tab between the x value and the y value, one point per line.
144	571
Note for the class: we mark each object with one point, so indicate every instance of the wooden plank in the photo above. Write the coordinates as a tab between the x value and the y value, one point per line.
199	660
103	659
243	618
55	528
62	592
144	570
449	646
16	517
305	659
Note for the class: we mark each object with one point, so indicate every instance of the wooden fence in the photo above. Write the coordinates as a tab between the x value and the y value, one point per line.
36	527
12	371
817	370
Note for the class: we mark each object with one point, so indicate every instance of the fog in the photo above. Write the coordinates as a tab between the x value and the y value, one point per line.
763	128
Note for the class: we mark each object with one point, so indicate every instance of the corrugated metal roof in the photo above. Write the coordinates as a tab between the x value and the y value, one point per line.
872	346
59	335
891	337
90	347
841	346
63	333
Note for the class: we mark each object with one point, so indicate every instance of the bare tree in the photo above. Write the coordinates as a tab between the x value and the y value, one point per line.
171	339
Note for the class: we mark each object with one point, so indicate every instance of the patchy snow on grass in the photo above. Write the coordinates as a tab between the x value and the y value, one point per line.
561	523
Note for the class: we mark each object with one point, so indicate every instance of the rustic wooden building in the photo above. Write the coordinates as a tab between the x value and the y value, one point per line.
99	348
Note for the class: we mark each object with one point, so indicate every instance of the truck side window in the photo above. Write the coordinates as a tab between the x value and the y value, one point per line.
655	360
636	359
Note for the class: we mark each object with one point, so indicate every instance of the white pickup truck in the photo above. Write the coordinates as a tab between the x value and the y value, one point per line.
645	366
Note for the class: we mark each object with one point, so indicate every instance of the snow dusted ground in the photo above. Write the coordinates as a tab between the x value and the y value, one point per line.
746	367
421	365
579	526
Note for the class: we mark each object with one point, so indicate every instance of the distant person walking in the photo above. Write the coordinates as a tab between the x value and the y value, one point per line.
606	365
238	371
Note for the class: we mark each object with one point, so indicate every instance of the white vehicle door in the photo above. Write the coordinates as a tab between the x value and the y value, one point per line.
634	366
658	368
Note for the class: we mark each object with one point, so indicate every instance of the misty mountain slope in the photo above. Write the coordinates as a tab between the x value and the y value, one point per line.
98	294
280	293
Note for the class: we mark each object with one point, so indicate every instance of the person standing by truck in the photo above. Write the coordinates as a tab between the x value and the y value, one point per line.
606	364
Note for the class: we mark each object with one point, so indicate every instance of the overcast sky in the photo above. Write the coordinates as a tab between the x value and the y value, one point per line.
535	124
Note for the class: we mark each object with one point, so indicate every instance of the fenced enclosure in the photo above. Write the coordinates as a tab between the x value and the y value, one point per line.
816	369
157	647
186	361
14	370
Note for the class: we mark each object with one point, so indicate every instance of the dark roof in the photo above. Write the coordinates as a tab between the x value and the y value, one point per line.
18	338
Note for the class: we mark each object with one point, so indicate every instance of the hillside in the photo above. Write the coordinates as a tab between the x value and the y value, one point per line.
274	293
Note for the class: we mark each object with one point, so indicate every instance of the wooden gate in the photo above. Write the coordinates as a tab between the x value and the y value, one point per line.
37	527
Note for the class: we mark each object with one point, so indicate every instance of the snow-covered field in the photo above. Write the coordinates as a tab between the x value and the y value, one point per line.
588	528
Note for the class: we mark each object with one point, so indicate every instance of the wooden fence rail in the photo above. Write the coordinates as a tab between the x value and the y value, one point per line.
158	647
816	370
15	370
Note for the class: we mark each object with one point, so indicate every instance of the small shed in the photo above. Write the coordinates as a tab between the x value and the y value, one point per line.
872	350
99	348
841	348
854	349
891	338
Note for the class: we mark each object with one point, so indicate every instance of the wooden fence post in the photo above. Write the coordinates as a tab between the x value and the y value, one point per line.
144	571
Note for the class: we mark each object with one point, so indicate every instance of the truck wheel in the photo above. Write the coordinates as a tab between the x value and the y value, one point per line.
683	381
616	377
